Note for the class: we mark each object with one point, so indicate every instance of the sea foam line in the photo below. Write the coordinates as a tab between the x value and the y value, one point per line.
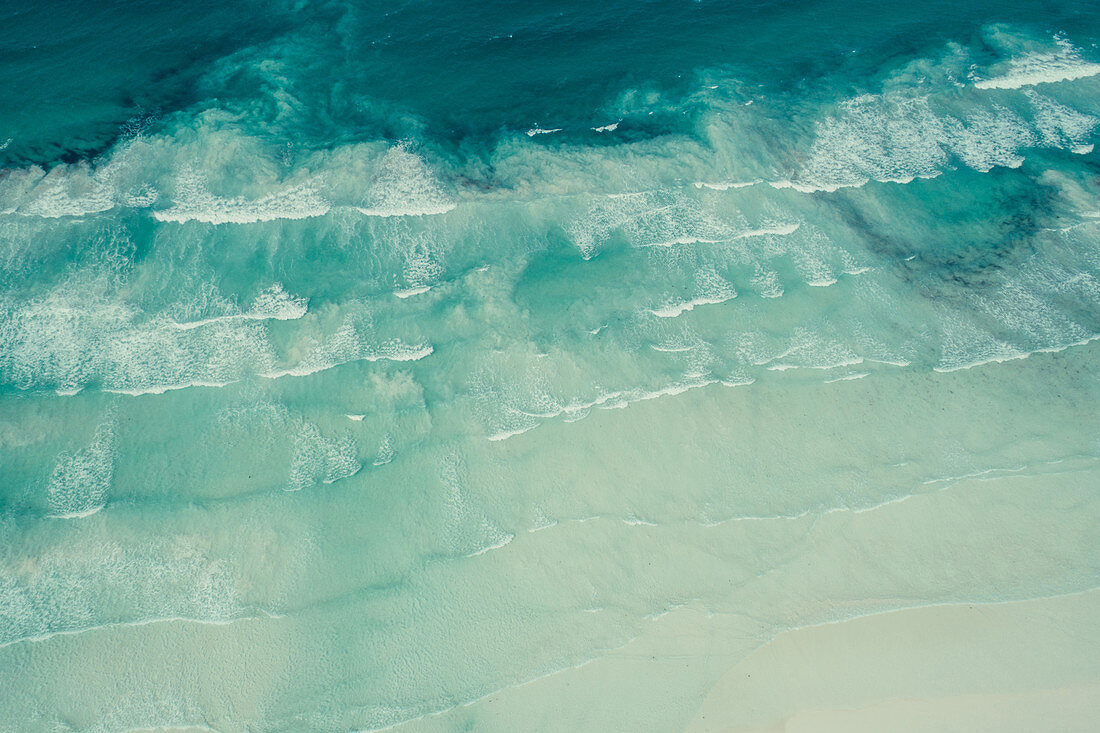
489	548
410	354
173	726
77	515
191	325
408	210
1018	355
1046	76
144	622
162	388
613	401
848	377
778	230
1065	64
443	711
937	604
673	310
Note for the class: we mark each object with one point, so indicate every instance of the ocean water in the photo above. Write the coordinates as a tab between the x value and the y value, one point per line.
631	366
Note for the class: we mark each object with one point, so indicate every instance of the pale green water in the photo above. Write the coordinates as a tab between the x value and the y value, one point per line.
338	393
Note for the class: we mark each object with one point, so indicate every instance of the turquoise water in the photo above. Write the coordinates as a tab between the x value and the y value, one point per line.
532	367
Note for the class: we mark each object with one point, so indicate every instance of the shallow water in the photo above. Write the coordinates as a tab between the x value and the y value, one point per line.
530	368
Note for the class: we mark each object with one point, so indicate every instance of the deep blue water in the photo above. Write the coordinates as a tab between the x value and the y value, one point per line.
80	74
361	363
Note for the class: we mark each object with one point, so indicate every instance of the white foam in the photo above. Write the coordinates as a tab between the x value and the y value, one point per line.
1064	64
540	131
767	283
606	128
390	722
80	481
1060	126
320	459
273	303
194	202
657	218
542	521
68	191
410	292
966	345
635	521
819	187
64	581
276	304
674	309
505	434
404	185
385	451
608	401
574	407
713	289
138	624
346	347
678	241
495	546
848	377
185	728
162	388
899	137
410	209
82	332
77	190
188	325
809	349
1008	353
670	391
727	185
78	514
781	230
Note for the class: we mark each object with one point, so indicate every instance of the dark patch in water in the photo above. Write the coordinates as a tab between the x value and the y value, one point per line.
961	230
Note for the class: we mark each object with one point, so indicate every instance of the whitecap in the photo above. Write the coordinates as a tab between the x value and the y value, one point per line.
848	377
194	202
410	292
404	185
1064	64
80	481
727	185
506	540
273	303
676	308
